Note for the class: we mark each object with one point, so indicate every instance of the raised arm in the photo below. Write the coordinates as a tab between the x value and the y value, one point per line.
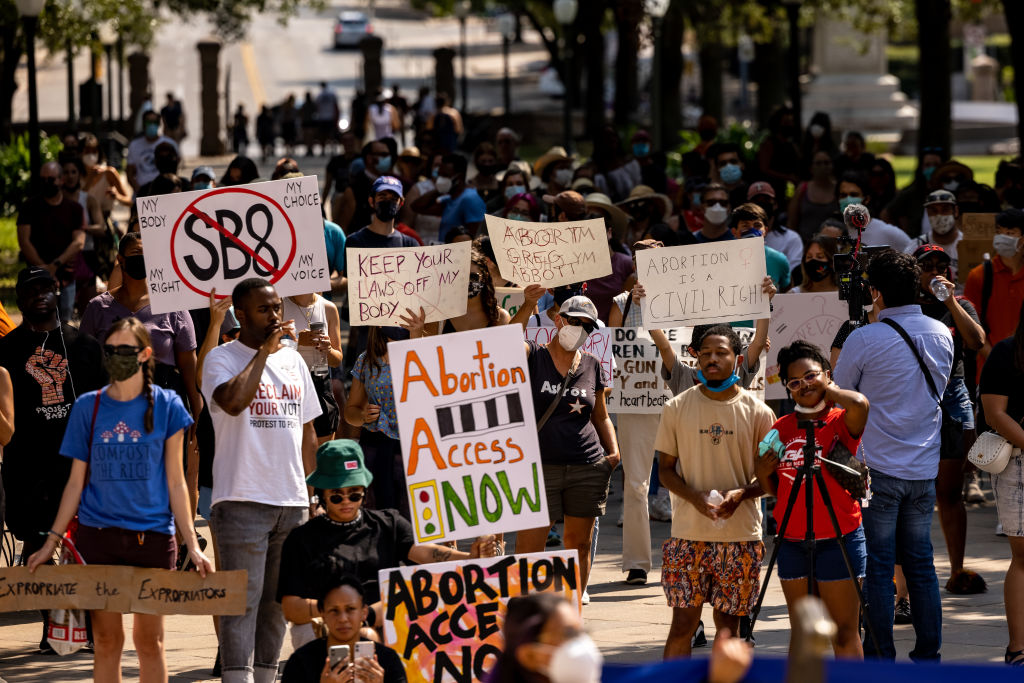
237	393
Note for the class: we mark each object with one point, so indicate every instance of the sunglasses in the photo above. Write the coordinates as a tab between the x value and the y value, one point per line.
795	384
717	202
932	266
121	350
578	322
337	498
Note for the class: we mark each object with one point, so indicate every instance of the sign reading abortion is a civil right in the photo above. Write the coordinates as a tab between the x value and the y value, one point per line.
213	239
469	435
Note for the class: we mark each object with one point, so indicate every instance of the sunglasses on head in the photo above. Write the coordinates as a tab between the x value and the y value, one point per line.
579	322
121	350
338	498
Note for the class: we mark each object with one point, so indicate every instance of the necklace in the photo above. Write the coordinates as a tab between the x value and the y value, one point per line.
307	311
346	525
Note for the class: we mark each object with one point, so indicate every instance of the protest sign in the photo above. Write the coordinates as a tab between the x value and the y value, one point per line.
445	619
694	284
198	241
550	254
970	254
468	432
814	318
510	298
978	225
599	343
122	589
382	283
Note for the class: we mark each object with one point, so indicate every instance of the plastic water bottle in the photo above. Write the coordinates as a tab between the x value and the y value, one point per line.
716	498
319	368
939	289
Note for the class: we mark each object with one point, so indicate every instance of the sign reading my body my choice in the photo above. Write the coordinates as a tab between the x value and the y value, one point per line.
699	284
550	254
198	241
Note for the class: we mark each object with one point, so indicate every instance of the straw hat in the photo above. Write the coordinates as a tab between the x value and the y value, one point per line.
646	193
556	153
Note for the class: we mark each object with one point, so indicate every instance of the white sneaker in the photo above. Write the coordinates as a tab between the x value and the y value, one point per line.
972	491
999	529
660	506
586	598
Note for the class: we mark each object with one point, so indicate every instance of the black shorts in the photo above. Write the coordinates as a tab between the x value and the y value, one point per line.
327	423
577	490
124	547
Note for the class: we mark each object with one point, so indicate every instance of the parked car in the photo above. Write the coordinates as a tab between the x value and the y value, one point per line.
350	28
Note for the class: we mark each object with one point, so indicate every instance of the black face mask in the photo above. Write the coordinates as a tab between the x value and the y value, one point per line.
489	169
50	188
166	164
395	333
641	213
768	210
135	266
707	134
386	210
817	270
970	207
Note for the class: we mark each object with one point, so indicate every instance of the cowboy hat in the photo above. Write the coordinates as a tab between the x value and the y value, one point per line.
617	218
646	193
556	153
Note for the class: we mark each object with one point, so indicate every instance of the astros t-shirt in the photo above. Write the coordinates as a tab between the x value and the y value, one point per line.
258	455
716	446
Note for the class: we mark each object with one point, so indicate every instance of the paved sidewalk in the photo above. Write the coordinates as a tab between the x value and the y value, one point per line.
628	623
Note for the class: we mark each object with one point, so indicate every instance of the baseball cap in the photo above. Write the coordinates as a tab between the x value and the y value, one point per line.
33	274
760	187
929	250
339	464
203	171
940	197
388	183
570	201
579	307
647	244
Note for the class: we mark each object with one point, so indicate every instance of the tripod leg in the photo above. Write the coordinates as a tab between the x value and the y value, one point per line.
780	534
827	499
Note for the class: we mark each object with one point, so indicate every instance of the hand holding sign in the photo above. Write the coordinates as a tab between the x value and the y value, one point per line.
550	254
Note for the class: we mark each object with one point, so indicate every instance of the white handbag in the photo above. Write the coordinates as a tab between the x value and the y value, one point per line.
991	452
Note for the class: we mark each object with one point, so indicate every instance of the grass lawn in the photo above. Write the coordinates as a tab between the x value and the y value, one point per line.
9	263
984	168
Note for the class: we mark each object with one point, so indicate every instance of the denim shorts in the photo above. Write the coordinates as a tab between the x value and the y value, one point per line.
828	558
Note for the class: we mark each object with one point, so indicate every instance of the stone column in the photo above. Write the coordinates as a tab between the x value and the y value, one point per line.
138	87
210	142
444	72
373	75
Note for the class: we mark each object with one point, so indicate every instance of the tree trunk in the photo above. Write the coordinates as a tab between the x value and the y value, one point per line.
592	51
671	74
934	71
769	62
12	49
627	15
1014	10
710	57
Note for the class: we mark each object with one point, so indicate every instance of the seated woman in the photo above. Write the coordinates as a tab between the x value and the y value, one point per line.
362	541
343	610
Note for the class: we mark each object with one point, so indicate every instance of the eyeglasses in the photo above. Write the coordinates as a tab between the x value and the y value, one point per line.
717	202
795	384
579	322
337	498
121	350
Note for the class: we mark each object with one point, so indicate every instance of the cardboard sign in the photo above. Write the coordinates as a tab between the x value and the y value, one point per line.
382	283
978	226
122	589
599	343
814	318
510	298
698	284
444	620
970	253
469	436
197	241
550	254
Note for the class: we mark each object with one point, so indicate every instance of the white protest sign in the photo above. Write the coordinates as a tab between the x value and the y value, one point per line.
814	318
510	298
198	241
469	434
599	343
697	284
550	254
382	283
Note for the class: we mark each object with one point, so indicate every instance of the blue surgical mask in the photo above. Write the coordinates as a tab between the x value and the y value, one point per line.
849	201
731	173
152	129
512	190
753	233
725	384
201	185
641	149
928	172
434	172
384	164
517	217
695	199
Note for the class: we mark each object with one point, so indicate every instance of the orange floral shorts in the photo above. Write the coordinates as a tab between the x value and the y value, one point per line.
723	574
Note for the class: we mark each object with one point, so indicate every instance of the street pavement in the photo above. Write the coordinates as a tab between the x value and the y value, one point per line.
628	623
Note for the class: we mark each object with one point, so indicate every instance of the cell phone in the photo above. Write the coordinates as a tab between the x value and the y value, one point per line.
338	654
318	327
365	649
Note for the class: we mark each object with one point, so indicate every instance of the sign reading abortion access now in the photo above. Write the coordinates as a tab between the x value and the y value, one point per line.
213	239
469	434
550	254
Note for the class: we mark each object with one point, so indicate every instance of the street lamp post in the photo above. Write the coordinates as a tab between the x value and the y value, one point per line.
30	11
462	13
120	78
793	60
657	10
108	37
565	14
507	27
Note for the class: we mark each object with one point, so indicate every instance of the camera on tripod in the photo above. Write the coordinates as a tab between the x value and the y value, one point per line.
851	264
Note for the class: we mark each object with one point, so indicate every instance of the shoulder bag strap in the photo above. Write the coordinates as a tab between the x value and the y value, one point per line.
920	361
986	292
92	430
629	305
561	392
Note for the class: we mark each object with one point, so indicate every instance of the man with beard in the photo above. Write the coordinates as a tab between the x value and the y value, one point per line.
262	402
50	364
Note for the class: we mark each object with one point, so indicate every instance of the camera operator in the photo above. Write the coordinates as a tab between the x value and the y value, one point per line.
887	362
842	415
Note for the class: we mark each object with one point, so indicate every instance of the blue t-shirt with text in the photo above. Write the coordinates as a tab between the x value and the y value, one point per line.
467	208
127	480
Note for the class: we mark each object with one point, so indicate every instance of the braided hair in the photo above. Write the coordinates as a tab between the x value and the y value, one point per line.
488	299
143	339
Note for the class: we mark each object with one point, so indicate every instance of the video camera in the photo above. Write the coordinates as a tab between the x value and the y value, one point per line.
851	264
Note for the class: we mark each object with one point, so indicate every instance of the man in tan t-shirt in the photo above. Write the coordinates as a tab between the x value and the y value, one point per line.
707	441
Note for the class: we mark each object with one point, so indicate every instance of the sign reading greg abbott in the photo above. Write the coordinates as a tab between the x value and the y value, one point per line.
469	436
699	284
213	239
550	254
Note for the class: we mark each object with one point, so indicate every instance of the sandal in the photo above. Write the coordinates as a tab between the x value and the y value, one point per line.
1014	658
966	582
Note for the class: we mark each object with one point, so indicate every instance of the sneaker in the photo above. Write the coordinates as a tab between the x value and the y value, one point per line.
622	518
586	598
699	639
999	529
636	577
972	490
216	665
660	507
902	615
554	539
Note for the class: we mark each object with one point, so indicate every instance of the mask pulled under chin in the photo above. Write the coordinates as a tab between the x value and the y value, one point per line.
576	661
572	337
718	386
817	408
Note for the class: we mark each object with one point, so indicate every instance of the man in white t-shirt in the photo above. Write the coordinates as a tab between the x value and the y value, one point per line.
142	151
263	402
707	449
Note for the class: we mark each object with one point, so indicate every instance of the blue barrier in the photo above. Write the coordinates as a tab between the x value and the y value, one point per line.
773	670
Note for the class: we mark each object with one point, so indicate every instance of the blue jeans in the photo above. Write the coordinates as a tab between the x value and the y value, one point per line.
249	536
898	524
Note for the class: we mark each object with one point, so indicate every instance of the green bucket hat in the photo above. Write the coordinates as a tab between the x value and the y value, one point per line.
339	464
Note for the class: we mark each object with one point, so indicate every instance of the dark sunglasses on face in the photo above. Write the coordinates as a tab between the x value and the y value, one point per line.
121	350
578	322
337	498
717	202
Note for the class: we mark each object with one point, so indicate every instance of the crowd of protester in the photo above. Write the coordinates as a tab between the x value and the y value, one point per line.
314	503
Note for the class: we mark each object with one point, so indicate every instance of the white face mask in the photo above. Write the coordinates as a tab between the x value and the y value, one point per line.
942	224
563	177
810	409
816	130
716	215
1005	245
951	185
571	337
443	185
576	661
90	159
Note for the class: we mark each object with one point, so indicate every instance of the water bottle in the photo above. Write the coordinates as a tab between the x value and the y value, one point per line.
319	367
939	289
715	498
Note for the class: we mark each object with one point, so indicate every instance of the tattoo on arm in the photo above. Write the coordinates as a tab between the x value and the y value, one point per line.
440	554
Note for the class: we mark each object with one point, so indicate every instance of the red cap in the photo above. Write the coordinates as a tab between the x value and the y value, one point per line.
760	187
927	249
